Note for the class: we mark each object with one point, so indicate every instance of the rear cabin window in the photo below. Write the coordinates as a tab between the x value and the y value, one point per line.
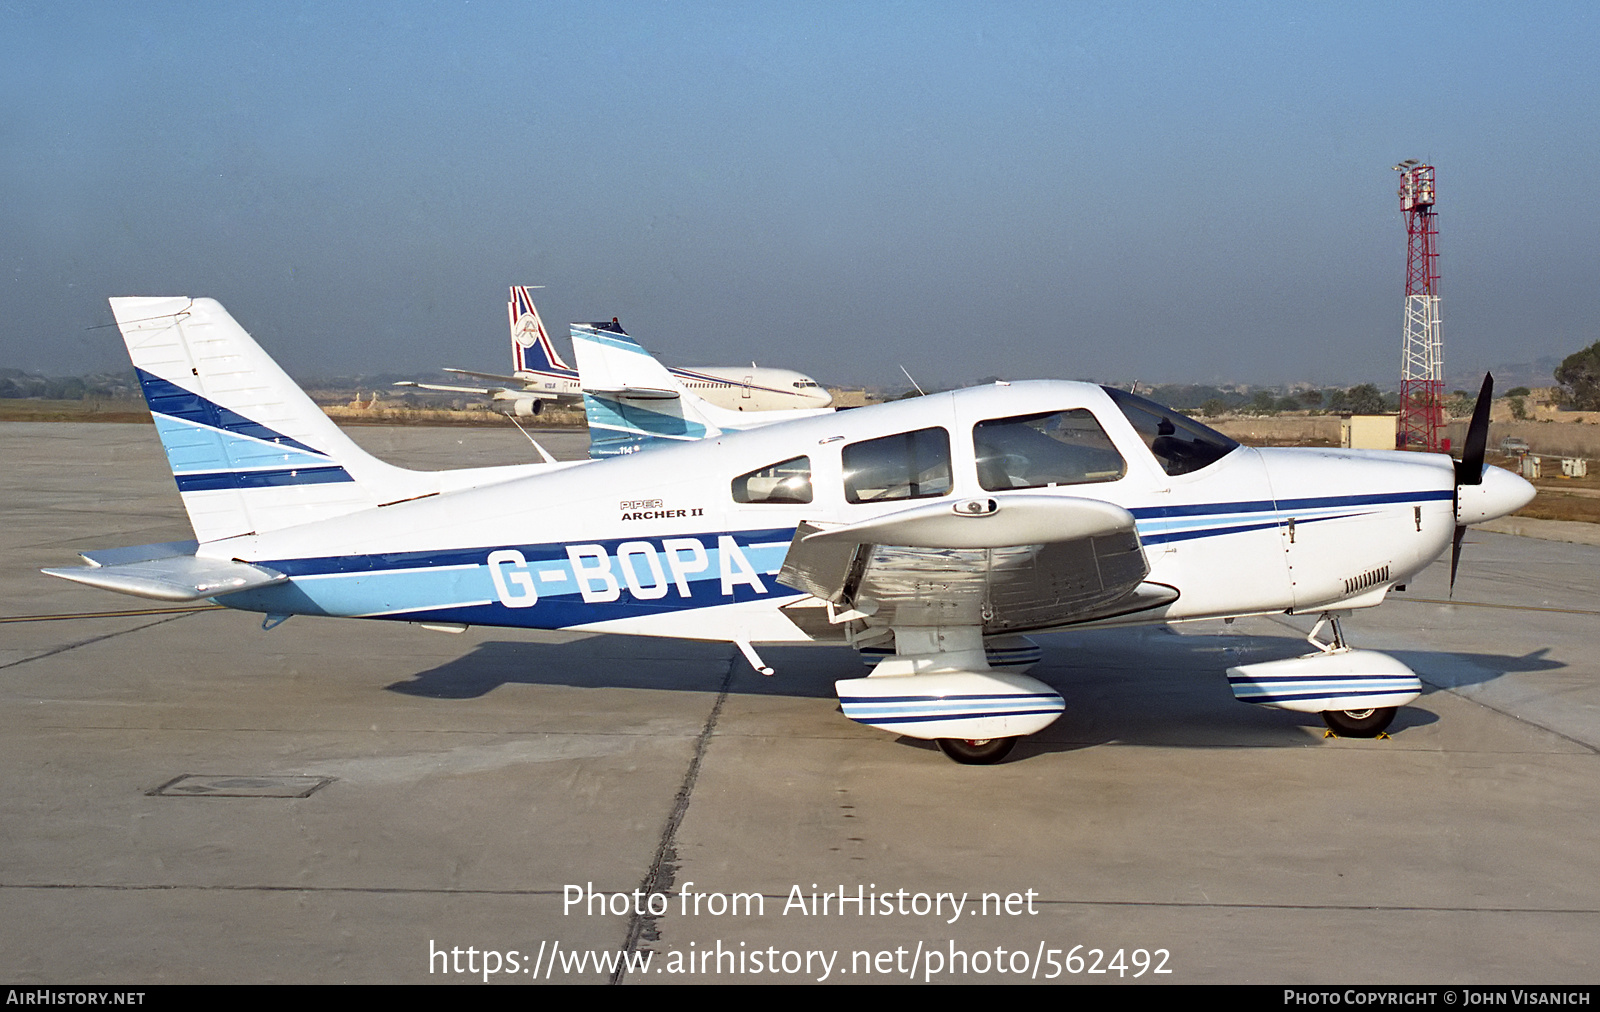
1038	451
908	465
785	482
1180	443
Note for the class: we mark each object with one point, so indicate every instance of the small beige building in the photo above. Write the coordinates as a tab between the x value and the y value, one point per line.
1368	432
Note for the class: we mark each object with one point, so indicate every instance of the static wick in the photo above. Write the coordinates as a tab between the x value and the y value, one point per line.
753	657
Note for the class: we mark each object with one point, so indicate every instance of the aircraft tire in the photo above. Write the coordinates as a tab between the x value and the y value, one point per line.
1359	723
977	753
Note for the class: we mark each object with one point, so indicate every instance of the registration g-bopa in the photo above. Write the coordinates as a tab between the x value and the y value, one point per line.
930	534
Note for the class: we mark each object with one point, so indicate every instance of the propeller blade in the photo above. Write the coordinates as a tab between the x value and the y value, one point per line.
1455	555
1469	469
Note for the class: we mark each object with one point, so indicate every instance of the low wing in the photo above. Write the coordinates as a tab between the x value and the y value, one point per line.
518	380
167	572
480	391
1008	564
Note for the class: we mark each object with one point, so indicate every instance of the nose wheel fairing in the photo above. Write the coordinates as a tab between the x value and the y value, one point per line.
1344	680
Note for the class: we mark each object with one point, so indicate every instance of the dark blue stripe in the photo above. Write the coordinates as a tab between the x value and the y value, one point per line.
1267	505
1374	499
210	481
1163	538
1202	509
170	399
477	556
1324	694
1206	532
939	699
870	719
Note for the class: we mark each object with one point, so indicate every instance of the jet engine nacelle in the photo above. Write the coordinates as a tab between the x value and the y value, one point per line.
527	407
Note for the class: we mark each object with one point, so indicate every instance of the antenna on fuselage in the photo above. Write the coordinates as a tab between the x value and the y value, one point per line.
542	451
921	392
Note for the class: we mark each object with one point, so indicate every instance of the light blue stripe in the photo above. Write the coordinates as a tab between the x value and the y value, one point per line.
192	447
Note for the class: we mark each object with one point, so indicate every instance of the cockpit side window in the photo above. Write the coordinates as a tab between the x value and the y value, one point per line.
907	465
788	482
1180	443
1038	451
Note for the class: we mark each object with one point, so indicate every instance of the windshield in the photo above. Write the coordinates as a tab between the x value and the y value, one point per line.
1180	443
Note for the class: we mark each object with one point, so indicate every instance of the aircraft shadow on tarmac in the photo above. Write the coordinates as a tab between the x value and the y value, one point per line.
1142	686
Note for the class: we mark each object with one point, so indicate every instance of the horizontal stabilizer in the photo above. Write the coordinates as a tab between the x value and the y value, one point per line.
139	553
633	393
177	578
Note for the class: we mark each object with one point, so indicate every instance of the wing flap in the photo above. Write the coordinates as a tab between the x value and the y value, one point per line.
1010	564
821	569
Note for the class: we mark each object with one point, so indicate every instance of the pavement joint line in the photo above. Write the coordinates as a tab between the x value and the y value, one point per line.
778	897
96	639
341	730
1315	740
1591	749
664	866
1485	604
126	613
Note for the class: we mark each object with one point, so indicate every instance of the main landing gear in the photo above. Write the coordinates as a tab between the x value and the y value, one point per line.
1367	723
938	686
976	751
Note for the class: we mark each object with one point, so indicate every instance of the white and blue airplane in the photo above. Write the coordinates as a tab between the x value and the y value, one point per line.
540	375
632	402
931	533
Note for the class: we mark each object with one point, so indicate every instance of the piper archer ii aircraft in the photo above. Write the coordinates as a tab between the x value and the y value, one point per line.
540	375
934	532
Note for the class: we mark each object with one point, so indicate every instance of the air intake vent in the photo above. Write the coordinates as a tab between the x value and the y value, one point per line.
1371	578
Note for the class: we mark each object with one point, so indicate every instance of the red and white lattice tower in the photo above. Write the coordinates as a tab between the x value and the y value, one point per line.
1422	350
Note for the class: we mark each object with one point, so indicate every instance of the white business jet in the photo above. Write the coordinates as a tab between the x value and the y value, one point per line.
933	531
539	375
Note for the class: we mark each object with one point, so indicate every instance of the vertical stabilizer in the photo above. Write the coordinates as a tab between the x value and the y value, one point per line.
633	402
249	450
531	347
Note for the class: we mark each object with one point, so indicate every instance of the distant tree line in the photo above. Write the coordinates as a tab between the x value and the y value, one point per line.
1365	399
16	384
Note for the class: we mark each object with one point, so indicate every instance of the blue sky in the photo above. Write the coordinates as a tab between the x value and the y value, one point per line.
1163	192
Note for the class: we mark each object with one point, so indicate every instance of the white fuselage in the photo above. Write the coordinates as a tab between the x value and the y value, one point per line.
755	388
656	543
